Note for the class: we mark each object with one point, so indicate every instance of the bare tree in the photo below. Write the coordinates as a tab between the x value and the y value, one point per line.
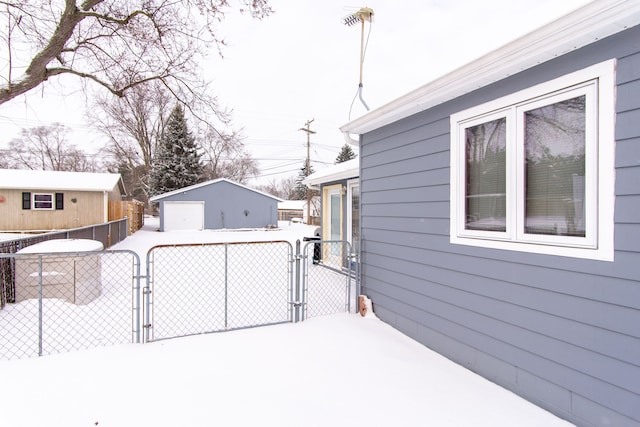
118	44
285	189
4	161
224	156
133	125
46	148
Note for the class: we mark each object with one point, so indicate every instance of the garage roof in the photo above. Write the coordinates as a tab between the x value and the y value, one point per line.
204	184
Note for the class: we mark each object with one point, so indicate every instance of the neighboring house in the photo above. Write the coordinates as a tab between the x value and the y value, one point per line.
291	210
500	220
36	201
295	210
339	194
216	204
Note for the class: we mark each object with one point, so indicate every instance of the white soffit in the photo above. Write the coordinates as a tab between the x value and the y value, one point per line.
590	23
337	172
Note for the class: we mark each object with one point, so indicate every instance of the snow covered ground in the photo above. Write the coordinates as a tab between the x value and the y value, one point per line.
326	371
149	236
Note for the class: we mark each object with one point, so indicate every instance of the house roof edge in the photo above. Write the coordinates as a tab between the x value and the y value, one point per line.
583	26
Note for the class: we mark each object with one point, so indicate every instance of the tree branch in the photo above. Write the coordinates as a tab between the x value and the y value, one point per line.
103	41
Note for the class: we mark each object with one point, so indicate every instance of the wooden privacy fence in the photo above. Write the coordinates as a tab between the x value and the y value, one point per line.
132	209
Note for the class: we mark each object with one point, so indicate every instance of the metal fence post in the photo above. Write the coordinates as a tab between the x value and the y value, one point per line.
304	281
40	305
147	298
137	310
226	285
296	303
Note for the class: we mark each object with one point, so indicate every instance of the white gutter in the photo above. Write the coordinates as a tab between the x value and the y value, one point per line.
586	25
338	172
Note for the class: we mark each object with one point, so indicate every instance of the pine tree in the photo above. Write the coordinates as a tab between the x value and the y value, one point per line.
301	189
176	163
346	153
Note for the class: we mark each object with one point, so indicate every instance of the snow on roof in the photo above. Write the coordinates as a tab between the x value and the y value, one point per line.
344	170
204	184
57	180
586	25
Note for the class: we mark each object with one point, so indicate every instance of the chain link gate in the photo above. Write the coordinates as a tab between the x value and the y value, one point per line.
200	288
215	287
59	302
329	278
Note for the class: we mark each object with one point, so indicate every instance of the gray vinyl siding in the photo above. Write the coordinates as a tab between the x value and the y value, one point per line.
562	332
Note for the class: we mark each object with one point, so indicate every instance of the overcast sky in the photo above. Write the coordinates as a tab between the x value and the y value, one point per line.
302	63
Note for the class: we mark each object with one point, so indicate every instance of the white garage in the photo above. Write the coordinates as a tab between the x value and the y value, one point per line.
183	216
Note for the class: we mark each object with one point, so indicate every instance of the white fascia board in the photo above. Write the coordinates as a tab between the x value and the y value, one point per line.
340	171
594	21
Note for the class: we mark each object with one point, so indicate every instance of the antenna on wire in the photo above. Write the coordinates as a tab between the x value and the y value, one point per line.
362	15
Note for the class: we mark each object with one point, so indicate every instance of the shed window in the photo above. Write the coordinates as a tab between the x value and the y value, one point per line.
532	171
42	201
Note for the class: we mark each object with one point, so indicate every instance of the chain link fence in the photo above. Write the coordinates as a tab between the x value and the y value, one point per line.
79	300
70	301
109	234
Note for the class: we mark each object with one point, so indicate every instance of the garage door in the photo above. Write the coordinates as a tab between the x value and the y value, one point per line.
183	216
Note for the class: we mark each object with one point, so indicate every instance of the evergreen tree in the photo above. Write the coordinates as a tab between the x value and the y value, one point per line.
176	163
300	192
346	153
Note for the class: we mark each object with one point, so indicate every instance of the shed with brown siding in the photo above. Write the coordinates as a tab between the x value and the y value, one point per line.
34	201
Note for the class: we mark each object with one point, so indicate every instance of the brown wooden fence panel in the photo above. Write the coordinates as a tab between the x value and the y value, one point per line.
133	209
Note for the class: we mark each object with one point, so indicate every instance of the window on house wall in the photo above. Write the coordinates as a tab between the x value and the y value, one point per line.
335	219
533	171
42	201
353	214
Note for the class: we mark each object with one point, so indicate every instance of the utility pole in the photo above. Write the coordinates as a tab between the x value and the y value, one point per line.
309	132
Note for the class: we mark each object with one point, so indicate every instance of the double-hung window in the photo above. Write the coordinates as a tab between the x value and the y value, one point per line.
42	201
533	171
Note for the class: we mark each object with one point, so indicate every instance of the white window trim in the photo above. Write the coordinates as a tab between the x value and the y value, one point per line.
33	201
603	168
350	184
